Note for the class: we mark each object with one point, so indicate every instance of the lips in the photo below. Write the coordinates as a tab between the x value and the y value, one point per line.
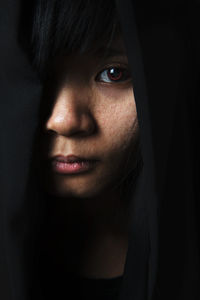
72	164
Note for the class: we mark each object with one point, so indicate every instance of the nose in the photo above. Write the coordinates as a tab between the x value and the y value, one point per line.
70	114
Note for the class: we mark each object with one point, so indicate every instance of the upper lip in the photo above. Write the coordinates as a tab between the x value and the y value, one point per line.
69	158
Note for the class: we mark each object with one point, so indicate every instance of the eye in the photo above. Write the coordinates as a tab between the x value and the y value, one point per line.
113	74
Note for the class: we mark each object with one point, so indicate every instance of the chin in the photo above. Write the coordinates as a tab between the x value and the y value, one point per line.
77	190
87	186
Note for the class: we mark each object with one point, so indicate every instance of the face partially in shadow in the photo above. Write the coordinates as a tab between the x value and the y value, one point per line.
93	116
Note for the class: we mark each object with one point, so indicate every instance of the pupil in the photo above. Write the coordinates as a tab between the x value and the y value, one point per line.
115	74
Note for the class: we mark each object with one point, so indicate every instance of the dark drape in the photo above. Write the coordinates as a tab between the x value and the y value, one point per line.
162	41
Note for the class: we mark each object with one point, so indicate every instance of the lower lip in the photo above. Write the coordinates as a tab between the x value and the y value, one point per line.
72	168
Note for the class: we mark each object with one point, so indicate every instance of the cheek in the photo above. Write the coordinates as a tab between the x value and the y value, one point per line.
118	119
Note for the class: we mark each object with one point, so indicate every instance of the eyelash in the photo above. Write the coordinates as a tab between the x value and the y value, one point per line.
125	74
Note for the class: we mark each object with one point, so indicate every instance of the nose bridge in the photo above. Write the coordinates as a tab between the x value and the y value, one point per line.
70	113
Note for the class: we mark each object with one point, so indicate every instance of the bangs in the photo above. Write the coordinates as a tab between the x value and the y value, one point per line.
71	26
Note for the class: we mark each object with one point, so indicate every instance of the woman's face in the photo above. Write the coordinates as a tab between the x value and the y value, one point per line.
93	116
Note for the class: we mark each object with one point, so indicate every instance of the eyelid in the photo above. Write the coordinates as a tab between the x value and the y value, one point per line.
114	65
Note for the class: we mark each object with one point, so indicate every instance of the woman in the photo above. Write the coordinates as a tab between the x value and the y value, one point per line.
106	82
89	138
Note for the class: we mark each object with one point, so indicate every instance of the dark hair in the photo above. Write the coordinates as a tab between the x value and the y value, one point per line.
71	26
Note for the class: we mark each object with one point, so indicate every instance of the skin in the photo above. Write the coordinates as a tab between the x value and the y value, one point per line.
95	117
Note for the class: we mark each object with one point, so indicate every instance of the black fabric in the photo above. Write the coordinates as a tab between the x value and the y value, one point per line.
166	88
105	289
162	41
83	288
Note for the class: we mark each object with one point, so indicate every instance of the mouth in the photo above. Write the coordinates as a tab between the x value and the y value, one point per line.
72	164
